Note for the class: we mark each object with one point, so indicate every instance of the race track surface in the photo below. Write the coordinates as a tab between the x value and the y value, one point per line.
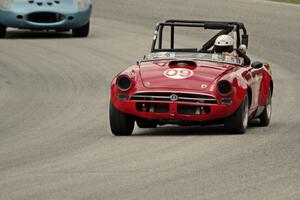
55	141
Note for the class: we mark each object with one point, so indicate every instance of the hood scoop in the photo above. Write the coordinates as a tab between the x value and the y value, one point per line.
182	63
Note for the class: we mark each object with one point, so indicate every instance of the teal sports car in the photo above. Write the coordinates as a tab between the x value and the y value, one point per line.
58	15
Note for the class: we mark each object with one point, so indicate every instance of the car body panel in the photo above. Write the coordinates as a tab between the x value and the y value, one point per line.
68	9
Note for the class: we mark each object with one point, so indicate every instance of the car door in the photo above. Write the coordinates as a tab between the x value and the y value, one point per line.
255	84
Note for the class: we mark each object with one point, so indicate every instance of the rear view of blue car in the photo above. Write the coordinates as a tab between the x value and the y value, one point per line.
58	15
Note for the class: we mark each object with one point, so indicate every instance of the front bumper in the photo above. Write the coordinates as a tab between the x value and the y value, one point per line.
215	112
176	111
17	17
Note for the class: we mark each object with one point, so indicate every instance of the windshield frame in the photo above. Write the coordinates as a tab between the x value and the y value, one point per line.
195	56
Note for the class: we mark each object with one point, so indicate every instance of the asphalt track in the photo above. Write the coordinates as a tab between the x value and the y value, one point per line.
55	141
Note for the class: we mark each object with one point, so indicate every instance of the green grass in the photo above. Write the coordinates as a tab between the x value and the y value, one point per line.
289	1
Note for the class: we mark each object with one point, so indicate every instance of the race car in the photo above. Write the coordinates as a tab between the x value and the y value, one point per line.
59	15
192	86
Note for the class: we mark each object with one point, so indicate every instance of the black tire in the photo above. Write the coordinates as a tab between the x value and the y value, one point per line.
62	30
142	123
2	31
238	122
121	124
82	31
265	117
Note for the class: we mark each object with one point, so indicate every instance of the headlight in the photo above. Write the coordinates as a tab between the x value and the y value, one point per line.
83	4
224	87
5	4
123	83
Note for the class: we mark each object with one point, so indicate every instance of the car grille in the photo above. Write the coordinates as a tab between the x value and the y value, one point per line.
193	110
45	17
179	97
152	107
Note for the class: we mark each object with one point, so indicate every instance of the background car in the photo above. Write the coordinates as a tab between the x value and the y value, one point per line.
59	15
192	86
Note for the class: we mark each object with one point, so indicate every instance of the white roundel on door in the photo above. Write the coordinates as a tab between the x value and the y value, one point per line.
178	73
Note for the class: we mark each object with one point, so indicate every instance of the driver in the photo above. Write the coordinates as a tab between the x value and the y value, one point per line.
224	45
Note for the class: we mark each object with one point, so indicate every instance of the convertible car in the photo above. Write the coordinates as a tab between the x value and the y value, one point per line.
192	86
59	15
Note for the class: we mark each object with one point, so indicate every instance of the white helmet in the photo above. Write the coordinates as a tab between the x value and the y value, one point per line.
224	43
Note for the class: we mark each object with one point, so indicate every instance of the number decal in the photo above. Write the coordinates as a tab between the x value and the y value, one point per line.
178	73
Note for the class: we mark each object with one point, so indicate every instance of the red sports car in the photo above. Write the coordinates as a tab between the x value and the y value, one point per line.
191	86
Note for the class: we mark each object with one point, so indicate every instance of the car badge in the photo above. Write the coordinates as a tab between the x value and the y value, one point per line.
173	97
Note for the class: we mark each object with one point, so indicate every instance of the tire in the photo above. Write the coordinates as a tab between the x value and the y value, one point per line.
2	31
81	31
142	123
265	117
62	30
238	122
121	124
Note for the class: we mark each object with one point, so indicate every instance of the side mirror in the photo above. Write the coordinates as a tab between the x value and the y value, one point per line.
257	65
245	39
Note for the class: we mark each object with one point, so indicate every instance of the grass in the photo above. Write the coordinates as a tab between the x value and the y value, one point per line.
289	1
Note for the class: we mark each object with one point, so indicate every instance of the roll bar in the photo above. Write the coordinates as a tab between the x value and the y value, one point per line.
225	27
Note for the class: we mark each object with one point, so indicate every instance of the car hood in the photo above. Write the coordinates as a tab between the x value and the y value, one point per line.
24	7
162	75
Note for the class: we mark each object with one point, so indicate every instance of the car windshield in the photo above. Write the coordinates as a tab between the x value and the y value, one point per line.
211	57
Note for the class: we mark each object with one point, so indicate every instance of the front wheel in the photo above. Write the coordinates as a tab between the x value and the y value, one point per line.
2	31
82	31
121	124
265	117
238	122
